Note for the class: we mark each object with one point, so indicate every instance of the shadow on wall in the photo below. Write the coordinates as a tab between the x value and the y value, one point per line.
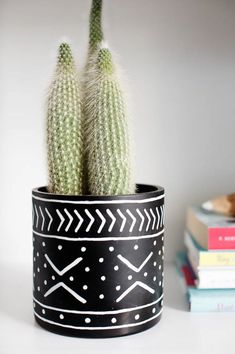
173	291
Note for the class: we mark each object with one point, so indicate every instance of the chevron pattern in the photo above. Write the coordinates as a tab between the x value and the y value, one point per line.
64	220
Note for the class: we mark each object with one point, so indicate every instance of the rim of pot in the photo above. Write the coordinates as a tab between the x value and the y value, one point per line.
142	191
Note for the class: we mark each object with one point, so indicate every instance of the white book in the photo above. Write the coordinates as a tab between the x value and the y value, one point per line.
213	277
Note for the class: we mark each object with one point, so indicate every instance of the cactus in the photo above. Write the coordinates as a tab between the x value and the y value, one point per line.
106	129
64	136
95	38
96	32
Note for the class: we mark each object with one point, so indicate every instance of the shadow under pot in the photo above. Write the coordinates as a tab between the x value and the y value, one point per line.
98	262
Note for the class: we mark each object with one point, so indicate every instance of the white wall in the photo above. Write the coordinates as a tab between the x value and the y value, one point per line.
180	59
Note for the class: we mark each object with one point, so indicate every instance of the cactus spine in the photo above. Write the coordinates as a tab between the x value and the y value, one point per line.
64	136
106	129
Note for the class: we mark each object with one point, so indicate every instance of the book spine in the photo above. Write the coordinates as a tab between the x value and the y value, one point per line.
216	279
221	238
219	259
210	258
212	304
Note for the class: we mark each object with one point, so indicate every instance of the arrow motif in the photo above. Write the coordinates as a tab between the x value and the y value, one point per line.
61	218
133	286
154	218
103	220
51	219
149	219
133	218
33	215
43	218
123	219
70	219
91	219
131	266
113	219
72	292
158	217
161	207
80	220
142	219
36	214
66	269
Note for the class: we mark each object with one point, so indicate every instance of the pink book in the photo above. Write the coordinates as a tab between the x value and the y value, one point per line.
212	231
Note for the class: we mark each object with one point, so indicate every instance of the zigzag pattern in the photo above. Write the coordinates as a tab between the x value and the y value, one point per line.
145	220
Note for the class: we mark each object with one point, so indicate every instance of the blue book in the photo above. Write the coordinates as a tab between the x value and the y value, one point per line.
203	300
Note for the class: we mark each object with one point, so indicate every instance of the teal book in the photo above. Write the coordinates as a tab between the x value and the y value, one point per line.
203	300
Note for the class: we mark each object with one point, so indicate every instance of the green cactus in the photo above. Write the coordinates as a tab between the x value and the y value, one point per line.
95	38
64	136
106	129
96	32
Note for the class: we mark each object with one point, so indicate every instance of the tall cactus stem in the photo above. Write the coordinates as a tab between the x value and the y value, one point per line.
96	31
106	133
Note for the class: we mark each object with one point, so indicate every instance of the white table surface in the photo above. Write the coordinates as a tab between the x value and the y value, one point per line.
179	331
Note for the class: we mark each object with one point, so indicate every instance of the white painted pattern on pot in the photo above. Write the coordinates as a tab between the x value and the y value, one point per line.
133	219
149	216
129	325
118	201
68	289
51	219
131	266
132	287
115	238
66	269
80	220
108	312
123	219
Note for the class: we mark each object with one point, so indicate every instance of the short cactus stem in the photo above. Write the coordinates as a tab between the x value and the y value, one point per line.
64	136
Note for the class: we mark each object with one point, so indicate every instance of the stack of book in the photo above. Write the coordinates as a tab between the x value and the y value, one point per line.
207	267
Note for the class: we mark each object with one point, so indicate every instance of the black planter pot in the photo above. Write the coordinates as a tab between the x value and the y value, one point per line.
98	262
